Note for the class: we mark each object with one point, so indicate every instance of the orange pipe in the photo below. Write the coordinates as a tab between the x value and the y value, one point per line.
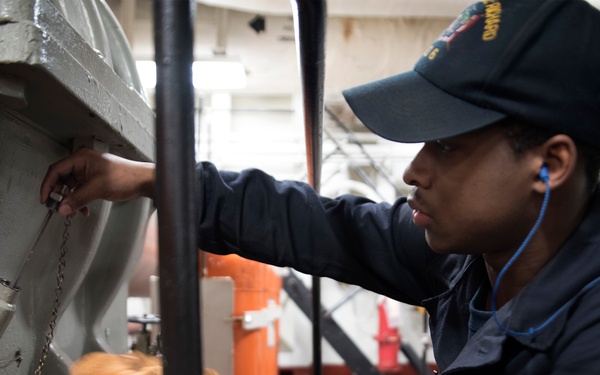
254	285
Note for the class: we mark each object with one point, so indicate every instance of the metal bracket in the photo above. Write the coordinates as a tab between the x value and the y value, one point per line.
261	318
264	318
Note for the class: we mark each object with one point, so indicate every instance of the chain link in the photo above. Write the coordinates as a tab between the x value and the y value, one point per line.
58	291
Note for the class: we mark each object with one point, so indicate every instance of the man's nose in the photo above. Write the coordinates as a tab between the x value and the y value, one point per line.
418	172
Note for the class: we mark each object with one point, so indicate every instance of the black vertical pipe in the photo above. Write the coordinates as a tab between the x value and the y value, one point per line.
175	162
317	331
310	26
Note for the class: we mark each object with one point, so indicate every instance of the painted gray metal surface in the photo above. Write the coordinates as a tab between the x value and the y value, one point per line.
66	78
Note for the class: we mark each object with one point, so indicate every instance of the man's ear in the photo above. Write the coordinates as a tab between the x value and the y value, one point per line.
559	155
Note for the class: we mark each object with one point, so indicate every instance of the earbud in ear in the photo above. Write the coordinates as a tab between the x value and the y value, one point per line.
544	173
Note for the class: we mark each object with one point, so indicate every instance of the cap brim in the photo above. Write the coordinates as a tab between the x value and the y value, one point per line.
408	108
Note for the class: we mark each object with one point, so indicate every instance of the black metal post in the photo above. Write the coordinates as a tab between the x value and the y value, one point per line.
310	26
175	162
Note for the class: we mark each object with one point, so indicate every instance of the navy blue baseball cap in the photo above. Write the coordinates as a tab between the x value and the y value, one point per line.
537	61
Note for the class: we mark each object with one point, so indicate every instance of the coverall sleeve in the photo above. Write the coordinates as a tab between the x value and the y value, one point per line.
284	223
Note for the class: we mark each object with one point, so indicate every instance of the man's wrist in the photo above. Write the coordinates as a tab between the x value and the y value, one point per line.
147	186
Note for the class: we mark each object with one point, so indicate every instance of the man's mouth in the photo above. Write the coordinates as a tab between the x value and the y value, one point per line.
419	217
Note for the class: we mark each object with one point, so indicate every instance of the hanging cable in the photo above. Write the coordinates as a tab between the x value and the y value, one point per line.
545	177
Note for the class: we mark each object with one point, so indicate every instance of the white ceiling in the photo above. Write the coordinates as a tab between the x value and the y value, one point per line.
356	8
366	39
352	8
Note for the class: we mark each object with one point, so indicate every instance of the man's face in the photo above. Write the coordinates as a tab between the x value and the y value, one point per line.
472	194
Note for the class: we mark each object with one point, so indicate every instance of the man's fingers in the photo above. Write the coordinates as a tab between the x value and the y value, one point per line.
65	209
69	172
77	201
57	172
50	180
85	211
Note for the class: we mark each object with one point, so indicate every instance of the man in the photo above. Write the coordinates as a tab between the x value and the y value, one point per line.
498	240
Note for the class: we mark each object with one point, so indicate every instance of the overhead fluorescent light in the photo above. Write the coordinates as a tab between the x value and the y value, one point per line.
219	75
206	74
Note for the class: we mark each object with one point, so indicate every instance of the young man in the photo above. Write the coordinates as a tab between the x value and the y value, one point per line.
498	240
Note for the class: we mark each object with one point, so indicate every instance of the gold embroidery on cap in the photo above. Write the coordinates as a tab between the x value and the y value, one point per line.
493	16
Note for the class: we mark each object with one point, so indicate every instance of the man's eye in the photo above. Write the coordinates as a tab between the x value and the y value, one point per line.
444	147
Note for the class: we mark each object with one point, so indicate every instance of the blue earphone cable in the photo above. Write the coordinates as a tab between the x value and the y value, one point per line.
545	177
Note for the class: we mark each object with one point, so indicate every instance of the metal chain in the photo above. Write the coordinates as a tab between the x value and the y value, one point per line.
58	291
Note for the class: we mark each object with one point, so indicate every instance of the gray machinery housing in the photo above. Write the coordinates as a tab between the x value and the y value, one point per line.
67	79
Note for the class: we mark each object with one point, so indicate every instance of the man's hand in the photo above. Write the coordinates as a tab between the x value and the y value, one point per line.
97	175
